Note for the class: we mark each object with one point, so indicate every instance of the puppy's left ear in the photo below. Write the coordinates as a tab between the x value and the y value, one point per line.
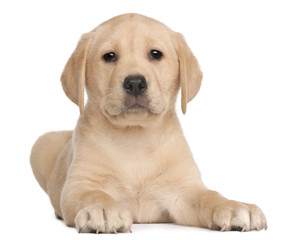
189	71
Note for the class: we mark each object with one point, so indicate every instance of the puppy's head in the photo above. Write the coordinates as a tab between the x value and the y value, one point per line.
132	67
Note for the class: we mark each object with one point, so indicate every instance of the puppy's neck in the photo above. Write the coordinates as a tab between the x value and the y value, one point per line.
141	140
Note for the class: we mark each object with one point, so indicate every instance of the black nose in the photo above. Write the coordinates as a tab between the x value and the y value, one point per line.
135	85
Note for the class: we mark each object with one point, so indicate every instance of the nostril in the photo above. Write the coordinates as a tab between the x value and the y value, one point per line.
142	86
135	85
128	86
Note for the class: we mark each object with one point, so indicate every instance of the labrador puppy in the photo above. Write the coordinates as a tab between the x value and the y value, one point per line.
127	160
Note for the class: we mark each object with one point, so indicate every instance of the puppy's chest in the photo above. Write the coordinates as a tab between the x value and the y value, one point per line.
141	173
144	193
145	202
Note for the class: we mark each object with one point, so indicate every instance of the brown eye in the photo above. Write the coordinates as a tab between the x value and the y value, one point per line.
110	57
155	55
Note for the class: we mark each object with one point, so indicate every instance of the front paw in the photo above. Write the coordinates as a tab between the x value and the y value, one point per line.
105	220
232	215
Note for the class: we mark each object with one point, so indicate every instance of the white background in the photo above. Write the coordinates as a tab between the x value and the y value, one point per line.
241	127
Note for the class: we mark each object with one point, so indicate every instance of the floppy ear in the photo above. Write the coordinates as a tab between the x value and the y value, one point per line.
73	76
189	71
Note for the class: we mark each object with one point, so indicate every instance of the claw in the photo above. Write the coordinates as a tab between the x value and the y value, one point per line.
265	227
223	228
114	230
129	229
244	228
79	230
257	228
98	230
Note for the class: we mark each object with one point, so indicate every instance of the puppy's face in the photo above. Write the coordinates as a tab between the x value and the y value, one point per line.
132	70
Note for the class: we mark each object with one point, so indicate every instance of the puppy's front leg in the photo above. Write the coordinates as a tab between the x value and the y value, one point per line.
219	213
92	210
205	208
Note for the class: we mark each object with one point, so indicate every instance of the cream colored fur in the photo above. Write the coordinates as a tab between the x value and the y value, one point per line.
122	165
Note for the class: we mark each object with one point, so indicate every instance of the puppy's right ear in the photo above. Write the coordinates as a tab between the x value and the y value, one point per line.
73	76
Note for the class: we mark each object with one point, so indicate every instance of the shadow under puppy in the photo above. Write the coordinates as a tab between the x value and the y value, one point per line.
127	160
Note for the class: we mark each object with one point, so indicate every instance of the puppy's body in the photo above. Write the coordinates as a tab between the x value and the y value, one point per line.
127	160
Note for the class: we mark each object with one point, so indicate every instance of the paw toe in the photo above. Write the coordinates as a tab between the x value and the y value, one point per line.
96	220
235	216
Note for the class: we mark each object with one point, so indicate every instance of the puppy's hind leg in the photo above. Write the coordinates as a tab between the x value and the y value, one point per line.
45	153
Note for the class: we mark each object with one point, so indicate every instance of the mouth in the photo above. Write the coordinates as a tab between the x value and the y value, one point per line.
136	107
129	105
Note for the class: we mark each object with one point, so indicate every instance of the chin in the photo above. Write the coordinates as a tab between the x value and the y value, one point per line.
134	117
